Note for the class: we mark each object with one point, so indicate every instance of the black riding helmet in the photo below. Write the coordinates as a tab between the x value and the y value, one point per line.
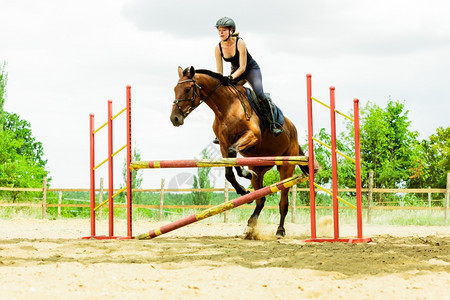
226	22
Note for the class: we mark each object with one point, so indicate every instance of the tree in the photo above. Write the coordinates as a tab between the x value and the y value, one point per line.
388	147
21	162
434	163
440	166
3	81
21	156
346	168
136	177
272	176
26	144
201	181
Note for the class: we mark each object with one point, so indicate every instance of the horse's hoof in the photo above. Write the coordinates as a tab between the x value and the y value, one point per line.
248	229
254	175
242	192
280	233
250	233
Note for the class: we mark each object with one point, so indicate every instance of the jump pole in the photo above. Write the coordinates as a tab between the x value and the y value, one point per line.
258	161
110	160
334	151
281	185
221	162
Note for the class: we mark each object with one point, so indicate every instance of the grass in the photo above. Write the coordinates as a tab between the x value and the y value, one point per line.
408	217
302	216
269	216
7	213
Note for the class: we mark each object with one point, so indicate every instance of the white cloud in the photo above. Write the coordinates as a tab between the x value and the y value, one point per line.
66	58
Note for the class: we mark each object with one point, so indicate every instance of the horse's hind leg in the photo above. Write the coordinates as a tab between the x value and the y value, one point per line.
257	183
285	172
249	232
284	205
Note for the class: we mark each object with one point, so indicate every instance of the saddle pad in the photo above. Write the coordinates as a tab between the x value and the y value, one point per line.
256	106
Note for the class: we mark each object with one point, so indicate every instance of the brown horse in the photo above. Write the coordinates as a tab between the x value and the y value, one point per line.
238	131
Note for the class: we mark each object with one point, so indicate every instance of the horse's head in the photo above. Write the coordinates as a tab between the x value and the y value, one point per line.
187	96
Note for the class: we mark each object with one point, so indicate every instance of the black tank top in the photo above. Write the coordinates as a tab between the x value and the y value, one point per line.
234	60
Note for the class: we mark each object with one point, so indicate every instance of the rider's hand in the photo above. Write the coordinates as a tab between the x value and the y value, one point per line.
227	80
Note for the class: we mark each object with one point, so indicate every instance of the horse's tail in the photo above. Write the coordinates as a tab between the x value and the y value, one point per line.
305	169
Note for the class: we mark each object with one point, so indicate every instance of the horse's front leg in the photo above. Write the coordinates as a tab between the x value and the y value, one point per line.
229	174
246	142
245	173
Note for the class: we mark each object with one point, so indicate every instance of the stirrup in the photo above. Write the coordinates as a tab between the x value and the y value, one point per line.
275	131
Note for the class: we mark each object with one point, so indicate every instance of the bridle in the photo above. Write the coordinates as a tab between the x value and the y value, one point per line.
194	95
192	99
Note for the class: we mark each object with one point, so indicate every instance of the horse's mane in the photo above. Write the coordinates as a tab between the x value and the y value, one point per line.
209	73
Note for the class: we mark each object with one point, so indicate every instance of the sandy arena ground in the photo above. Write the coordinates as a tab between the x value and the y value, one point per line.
46	259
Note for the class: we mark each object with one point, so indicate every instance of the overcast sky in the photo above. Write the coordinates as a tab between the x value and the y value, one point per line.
65	59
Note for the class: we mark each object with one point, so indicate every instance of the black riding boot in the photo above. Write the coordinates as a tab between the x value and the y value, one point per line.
268	107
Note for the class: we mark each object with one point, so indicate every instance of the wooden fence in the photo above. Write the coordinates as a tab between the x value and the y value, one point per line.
369	191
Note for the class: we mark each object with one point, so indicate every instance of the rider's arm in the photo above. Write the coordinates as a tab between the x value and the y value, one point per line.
219	62
242	59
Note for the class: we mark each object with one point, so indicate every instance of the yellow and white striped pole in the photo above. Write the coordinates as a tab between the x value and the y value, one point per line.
284	184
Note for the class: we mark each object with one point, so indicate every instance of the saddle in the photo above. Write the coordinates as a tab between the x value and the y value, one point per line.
262	114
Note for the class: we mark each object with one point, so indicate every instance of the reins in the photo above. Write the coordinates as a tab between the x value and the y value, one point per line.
194	95
241	98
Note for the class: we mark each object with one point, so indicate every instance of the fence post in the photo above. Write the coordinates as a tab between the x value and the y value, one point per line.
225	214
294	200
369	197
447	197
44	198
100	198
59	203
429	197
161	200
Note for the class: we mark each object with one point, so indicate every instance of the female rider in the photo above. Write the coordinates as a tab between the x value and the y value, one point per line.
232	49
